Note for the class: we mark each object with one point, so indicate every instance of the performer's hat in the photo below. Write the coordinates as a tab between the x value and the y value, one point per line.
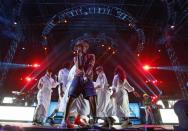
99	68
145	95
81	43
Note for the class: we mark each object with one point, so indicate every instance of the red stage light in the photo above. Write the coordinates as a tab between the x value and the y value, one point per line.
146	67
45	48
28	79
109	48
35	65
154	81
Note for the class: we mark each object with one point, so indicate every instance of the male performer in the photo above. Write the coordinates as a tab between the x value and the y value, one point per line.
45	85
82	82
148	110
62	79
121	88
101	86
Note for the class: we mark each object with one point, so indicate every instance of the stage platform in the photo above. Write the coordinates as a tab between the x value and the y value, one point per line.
21	126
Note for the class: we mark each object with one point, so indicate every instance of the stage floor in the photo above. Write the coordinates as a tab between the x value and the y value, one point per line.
30	127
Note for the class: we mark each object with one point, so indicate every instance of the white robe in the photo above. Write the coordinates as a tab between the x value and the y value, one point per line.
103	95
121	100
44	93
63	79
65	97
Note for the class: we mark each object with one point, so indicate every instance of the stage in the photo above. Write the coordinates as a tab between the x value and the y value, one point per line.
30	127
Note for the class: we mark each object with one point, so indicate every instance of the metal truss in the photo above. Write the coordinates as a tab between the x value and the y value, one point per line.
180	76
86	10
14	43
172	20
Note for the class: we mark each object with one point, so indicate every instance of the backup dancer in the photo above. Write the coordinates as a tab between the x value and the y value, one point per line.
121	88
45	85
62	79
104	102
103	93
82	82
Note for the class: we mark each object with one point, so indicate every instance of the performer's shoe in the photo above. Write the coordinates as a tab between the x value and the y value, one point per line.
126	124
79	122
108	122
67	124
37	123
51	121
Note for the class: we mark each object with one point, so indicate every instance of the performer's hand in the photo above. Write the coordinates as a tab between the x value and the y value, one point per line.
62	93
113	95
56	78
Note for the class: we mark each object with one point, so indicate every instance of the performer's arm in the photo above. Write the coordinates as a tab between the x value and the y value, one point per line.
60	90
54	82
114	85
91	65
40	84
129	88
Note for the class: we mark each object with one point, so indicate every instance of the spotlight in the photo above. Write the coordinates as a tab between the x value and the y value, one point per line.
154	81
35	65
45	48
65	21
130	24
113	52
109	48
23	48
159	50
138	54
172	26
102	45
146	67
15	23
28	79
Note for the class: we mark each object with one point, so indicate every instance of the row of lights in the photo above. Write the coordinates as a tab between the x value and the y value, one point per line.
109	48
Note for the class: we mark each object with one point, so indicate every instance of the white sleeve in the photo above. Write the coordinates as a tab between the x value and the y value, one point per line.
103	82
115	82
59	76
127	86
40	83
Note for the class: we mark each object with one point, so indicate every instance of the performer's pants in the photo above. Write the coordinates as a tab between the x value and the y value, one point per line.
149	113
40	113
80	86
